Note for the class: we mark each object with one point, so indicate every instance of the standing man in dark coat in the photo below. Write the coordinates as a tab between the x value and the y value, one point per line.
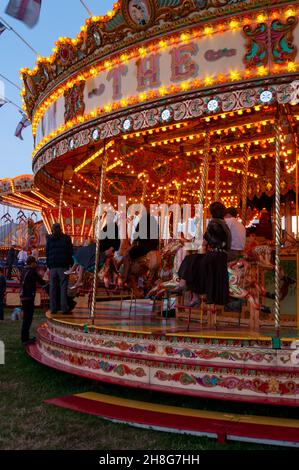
31	278
10	260
59	252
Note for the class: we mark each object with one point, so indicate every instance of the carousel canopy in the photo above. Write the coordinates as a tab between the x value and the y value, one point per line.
155	89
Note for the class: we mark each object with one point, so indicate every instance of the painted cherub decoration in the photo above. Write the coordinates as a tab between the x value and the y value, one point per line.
139	11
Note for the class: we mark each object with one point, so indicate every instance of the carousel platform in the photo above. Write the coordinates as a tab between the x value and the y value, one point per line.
222	426
138	347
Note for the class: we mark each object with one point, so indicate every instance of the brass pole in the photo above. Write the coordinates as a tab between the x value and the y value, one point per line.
60	202
245	183
94	209
296	191
205	210
176	215
202	188
163	214
144	188
217	174
205	169
277	227
297	234
98	240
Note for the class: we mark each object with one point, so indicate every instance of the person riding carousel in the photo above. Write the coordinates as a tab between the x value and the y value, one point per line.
206	274
84	258
143	258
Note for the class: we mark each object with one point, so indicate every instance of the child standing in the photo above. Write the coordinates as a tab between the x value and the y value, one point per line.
31	278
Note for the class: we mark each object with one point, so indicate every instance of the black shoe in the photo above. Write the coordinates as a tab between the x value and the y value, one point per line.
29	341
265	309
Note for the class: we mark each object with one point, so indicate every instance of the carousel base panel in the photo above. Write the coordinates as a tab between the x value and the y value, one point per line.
139	348
218	425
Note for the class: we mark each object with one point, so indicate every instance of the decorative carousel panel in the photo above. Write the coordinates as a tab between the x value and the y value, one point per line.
23	183
6	186
76	222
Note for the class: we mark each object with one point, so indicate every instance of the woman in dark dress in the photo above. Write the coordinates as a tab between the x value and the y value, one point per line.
207	274
214	264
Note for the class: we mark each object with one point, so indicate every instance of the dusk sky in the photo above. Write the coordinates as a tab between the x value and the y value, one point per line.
58	18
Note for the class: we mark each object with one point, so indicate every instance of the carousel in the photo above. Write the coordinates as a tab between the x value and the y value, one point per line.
22	193
165	102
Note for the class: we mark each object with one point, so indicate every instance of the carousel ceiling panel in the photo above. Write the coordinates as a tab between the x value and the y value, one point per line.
171	156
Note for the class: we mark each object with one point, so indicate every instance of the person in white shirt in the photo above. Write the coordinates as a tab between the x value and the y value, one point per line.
133	221
22	256
238	233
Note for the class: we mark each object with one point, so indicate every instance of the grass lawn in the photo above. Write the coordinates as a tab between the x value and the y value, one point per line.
27	423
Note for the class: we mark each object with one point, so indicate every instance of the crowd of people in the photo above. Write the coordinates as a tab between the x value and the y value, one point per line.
17	257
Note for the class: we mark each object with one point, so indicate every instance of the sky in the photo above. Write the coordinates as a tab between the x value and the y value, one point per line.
58	18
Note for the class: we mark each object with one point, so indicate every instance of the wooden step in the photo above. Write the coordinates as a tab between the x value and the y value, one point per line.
220	425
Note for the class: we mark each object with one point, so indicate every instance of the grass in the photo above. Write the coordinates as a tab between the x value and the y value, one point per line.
28	424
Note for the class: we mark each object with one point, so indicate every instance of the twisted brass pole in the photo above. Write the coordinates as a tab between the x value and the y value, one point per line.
163	214
204	174
245	183
98	240
176	215
202	189
277	227
296	191
217	174
144	188
60	202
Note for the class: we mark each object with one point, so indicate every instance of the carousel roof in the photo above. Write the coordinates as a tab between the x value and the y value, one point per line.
145	88
21	192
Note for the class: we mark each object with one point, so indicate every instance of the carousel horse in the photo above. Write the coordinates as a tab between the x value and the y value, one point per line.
245	283
143	271
242	278
167	275
263	256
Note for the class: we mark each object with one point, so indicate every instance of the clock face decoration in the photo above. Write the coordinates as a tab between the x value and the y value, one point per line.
213	105
166	115
127	124
266	96
95	134
72	144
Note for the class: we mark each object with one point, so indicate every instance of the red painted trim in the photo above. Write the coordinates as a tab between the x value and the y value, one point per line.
35	354
149	418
